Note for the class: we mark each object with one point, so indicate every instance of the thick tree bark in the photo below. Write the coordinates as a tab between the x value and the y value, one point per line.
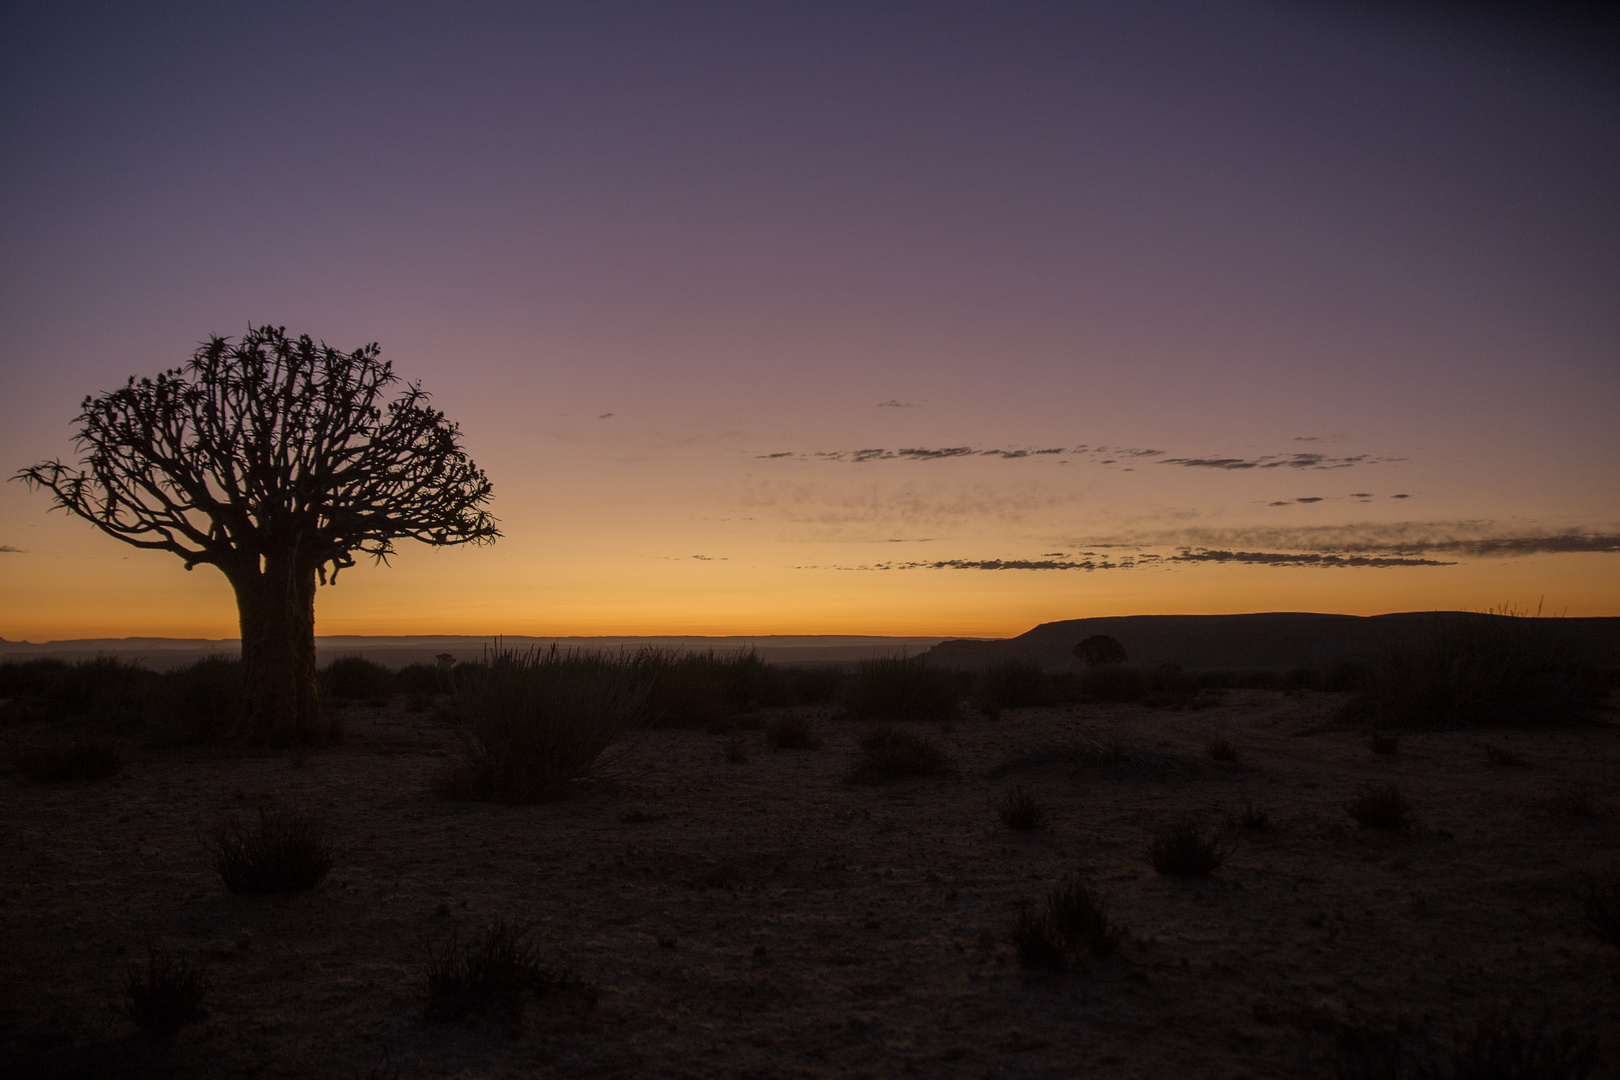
276	605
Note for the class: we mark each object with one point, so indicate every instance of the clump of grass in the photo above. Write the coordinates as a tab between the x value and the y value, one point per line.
1022	812
286	852
166	994
1251	818
1182	850
1603	909
1497	668
903	688
1383	743
1074	919
1498	1047
535	720
1382	807
81	759
892	754
493	972
734	749
791	732
1496	756
1221	750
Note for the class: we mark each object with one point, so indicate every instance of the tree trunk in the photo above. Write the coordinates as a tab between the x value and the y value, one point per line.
276	604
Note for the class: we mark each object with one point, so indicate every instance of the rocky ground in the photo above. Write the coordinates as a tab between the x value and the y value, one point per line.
764	918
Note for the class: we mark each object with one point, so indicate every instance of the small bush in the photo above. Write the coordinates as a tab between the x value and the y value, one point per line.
1302	679
1180	850
903	688
82	759
101	688
166	994
1017	684
1383	743
288	851
1221	750
1492	669
494	972
198	702
1021	811
734	749
891	754
1382	807
1499	1048
420	678
1347	675
1080	916
354	678
1497	756
1603	909
1101	650
536	720
1037	943
791	733
1251	818
1112	682
1579	803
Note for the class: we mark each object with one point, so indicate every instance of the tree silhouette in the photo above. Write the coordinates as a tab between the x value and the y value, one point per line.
1100	649
276	460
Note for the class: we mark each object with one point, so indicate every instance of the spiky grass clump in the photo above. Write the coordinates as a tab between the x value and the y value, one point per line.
82	759
1221	750
1382	807
1251	818
1182	850
287	851
166	994
1497	668
535	720
892	754
1074	919
791	733
1022	812
493	972
903	688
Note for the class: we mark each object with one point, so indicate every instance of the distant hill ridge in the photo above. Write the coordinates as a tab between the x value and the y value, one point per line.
1276	640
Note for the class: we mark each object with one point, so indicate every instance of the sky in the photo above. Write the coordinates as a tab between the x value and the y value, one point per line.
876	318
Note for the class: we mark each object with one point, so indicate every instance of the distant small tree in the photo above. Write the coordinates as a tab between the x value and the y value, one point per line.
1100	649
276	460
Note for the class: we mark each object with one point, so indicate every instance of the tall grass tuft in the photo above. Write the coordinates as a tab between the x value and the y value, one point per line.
903	688
166	994
288	851
1496	668
534	720
495	971
1181	850
893	754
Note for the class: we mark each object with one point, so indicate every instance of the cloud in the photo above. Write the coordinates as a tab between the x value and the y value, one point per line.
1278	558
1274	461
1557	544
9	550
781	454
894	403
1473	539
1125	563
605	416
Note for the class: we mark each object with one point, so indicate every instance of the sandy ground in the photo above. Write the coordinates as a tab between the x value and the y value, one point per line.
764	919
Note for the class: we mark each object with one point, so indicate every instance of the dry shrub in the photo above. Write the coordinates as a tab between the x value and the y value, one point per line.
1382	807
1383	743
288	851
903	688
166	994
1021	811
892	754
1221	750
494	972
791	733
1603	908
1181	850
1074	919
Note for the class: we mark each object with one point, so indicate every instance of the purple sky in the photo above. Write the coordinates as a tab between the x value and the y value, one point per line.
1385	234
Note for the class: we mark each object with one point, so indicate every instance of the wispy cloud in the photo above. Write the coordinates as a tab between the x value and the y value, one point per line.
7	549
1275	461
1311	559
895	403
1475	539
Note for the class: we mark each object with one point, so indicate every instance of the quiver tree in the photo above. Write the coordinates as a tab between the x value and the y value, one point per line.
276	460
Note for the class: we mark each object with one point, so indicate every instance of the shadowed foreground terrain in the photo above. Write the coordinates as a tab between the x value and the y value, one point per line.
762	917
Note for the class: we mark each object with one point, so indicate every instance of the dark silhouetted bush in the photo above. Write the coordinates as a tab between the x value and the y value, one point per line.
495	972
166	994
1099	650
1603	908
1498	756
903	688
1080	916
1017	684
1481	669
286	851
199	702
81	759
99	688
1382	807
1221	750
734	749
535	720
1498	1049
1347	675
1037	943
791	733
1181	850
422	678
708	689
1113	682
1302	679
1250	818
892	754
1021	811
1383	743
354	678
